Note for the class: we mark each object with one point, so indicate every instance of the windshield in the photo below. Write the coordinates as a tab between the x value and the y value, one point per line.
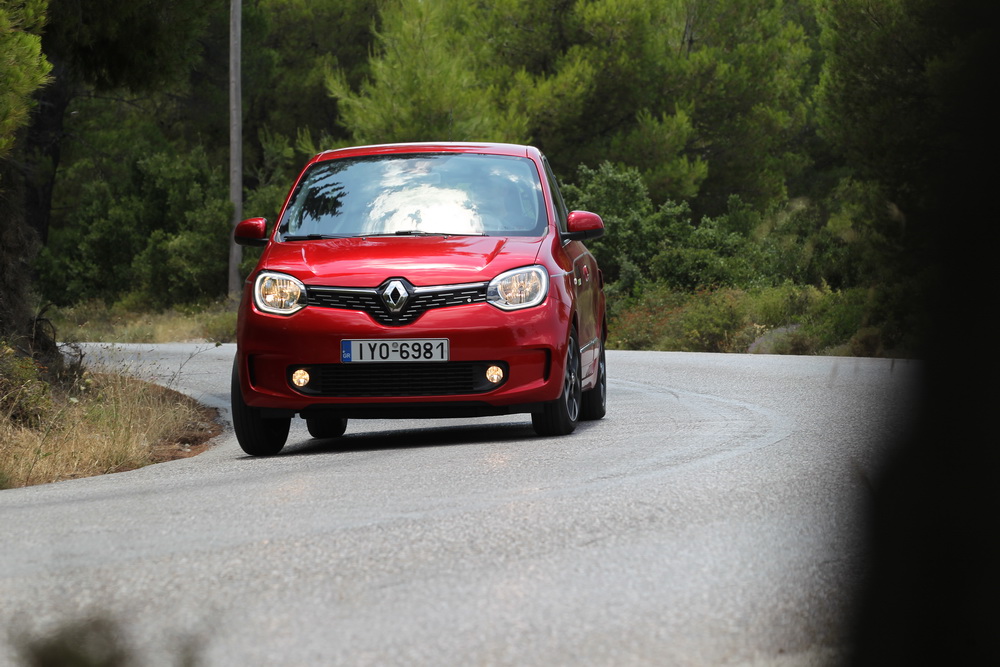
433	193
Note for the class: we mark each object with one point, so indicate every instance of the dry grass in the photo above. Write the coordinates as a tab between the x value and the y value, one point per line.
96	322
104	423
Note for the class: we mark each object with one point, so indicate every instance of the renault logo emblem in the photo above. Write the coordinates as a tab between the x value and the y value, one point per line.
395	296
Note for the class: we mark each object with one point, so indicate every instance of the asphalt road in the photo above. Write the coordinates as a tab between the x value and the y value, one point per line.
714	517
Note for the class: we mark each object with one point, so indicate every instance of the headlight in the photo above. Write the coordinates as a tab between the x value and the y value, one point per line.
278	293
520	288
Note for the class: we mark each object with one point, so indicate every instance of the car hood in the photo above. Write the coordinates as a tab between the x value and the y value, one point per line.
423	260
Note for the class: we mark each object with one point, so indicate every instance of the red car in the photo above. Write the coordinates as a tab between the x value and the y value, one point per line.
420	280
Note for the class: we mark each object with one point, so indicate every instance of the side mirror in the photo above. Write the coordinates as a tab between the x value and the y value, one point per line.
252	232
582	225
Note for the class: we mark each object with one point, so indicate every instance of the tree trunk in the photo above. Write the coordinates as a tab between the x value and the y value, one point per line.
42	150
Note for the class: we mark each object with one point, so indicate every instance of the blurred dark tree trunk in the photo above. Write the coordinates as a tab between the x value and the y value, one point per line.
933	576
43	145
17	246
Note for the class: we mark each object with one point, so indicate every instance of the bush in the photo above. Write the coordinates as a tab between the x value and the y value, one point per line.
157	238
638	323
219	327
783	305
787	319
619	196
711	322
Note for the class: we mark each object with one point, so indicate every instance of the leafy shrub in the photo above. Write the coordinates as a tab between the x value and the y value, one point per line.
867	342
711	322
619	196
795	341
219	327
835	316
716	252
664	319
787	319
638	323
156	238
783	304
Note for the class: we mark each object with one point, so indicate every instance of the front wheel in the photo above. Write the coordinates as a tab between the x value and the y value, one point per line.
323	428
560	416
257	435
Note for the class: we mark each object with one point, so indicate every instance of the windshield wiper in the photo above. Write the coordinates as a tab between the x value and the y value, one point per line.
313	237
417	232
405	232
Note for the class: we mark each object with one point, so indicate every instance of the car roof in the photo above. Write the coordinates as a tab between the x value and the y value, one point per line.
431	147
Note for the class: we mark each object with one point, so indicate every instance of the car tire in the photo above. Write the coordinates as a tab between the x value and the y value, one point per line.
323	428
257	435
594	403
559	417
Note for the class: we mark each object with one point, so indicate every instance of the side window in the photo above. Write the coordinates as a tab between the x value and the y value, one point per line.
557	199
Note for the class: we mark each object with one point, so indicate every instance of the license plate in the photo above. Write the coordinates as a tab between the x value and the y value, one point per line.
405	349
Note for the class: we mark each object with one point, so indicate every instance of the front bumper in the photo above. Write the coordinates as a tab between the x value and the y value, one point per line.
528	344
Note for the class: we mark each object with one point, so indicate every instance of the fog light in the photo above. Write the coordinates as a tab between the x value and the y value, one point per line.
300	378
494	374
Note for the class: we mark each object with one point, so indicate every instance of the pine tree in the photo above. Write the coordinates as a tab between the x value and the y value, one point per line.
23	69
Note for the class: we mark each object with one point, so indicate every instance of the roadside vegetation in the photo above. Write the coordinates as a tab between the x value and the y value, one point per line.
776	176
737	151
76	422
97	322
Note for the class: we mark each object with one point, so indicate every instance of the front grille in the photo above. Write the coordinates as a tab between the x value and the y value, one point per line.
419	301
327	297
398	379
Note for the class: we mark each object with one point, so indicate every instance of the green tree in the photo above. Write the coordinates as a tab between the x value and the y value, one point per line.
113	131
154	236
705	98
107	45
302	41
418	89
23	69
746	69
904	100
631	236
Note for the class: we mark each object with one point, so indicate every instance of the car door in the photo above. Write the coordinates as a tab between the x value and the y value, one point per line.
586	285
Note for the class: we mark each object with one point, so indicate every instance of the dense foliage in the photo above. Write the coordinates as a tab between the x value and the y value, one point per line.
23	69
743	153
